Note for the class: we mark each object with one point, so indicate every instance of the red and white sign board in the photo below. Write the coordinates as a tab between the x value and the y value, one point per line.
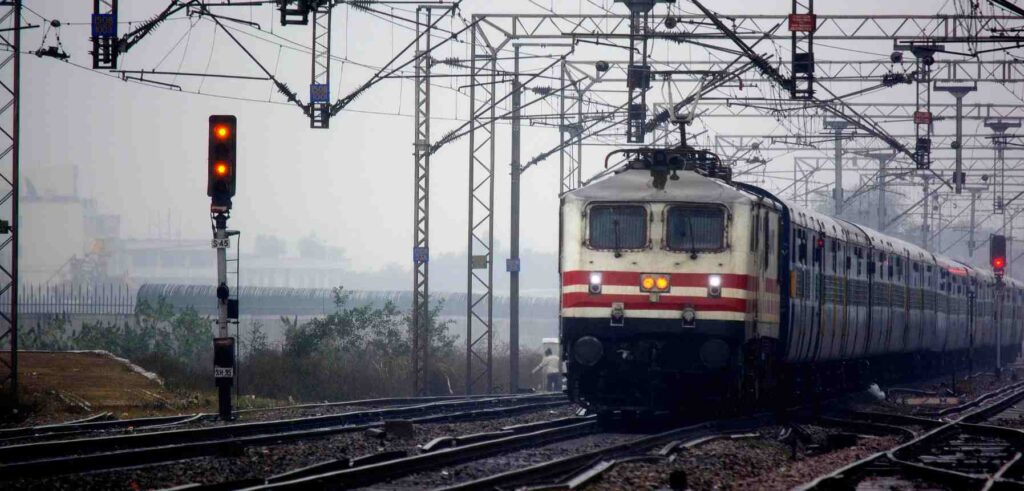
802	22
922	117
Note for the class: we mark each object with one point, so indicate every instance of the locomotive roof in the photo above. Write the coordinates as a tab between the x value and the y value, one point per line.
635	185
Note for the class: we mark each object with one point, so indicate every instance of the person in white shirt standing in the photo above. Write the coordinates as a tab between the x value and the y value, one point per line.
552	368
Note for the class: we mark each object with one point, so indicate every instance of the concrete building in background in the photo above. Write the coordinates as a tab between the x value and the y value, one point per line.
72	236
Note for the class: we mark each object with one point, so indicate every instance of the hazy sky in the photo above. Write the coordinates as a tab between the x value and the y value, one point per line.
142	150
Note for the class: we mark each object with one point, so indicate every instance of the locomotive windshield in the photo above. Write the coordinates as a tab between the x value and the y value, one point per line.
695	228
618	227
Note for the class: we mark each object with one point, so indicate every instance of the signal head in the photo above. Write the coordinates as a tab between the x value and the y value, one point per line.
221	160
997	253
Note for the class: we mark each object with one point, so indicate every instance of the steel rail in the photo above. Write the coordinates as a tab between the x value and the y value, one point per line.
344	463
89	425
36	451
397	468
98	423
382	401
563	468
163	451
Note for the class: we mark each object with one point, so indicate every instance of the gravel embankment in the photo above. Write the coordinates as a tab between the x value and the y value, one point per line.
263	461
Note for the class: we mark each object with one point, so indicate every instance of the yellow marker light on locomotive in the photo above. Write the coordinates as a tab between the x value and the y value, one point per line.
654	283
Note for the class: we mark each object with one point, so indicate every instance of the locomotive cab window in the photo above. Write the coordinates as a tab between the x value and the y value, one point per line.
695	228
618	227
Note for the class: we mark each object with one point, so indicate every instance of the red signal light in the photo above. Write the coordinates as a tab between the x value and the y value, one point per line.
998	262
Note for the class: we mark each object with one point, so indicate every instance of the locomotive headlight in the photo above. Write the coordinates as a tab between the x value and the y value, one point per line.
595	283
714	286
587	350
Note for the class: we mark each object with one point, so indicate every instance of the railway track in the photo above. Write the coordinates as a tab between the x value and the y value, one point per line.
964	451
110	452
105	422
390	470
575	470
12	436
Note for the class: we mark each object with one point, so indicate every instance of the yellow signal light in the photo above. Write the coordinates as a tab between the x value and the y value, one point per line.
221	131
220	169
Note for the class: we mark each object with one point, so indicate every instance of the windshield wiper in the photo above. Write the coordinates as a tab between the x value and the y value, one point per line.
693	238
615	225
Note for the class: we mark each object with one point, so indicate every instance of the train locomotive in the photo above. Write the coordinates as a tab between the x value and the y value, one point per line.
680	286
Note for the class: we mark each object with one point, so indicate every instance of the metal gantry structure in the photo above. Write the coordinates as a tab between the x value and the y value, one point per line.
483	89
319	108
10	106
597	95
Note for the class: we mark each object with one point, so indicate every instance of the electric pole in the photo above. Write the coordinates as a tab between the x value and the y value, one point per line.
513	263
958	92
837	126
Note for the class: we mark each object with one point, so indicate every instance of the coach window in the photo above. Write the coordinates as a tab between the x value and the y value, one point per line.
832	252
695	228
899	269
802	246
615	227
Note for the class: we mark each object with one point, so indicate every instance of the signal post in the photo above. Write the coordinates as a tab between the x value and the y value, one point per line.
221	173
997	258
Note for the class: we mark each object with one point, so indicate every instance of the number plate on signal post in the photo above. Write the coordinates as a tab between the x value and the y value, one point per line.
220	243
223	372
